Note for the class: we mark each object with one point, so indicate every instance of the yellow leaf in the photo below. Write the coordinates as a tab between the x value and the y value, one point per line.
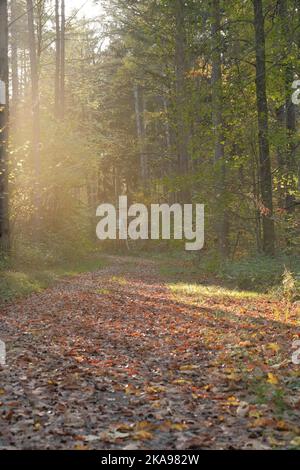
156	389
234	377
208	387
296	442
123	428
232	401
181	382
156	405
254	414
188	367
174	426
142	425
80	447
274	347
275	442
272	379
179	427
143	436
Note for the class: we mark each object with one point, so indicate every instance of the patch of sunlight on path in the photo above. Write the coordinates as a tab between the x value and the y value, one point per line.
197	291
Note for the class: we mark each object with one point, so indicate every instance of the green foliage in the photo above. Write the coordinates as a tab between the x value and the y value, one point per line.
260	273
257	274
32	272
17	284
291	285
94	154
4	262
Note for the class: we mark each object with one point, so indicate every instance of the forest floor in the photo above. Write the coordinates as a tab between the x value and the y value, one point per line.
125	358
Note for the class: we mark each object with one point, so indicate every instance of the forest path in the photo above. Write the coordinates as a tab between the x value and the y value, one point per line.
114	360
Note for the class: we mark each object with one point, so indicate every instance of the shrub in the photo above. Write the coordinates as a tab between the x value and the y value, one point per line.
290	285
260	273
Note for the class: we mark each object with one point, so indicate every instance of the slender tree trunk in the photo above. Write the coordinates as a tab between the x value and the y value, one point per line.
263	131
62	60
280	154
167	168
140	133
167	125
217	105
298	46
34	88
4	218
58	58
14	55
181	111
290	110
40	9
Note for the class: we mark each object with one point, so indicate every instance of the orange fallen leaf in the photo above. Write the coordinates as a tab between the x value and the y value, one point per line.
232	401
143	436
168	425
262	422
282	426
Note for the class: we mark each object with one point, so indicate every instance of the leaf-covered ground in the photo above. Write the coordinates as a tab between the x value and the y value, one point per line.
119	359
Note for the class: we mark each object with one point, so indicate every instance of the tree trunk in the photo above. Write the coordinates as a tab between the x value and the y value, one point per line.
167	124
290	110
62	60
35	105
280	154
263	132
217	105
181	111
298	46
140	133
40	10
4	219
58	58
14	55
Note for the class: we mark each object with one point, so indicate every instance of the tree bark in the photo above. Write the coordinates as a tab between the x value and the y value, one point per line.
290	110
263	132
40	10
62	60
14	55
58	58
140	133
217	106
181	114
34	88
4	217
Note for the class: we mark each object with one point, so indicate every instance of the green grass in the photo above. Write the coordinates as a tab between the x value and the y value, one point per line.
198	291
259	274
19	281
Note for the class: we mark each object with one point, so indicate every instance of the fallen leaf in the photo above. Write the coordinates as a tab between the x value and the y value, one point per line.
272	379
